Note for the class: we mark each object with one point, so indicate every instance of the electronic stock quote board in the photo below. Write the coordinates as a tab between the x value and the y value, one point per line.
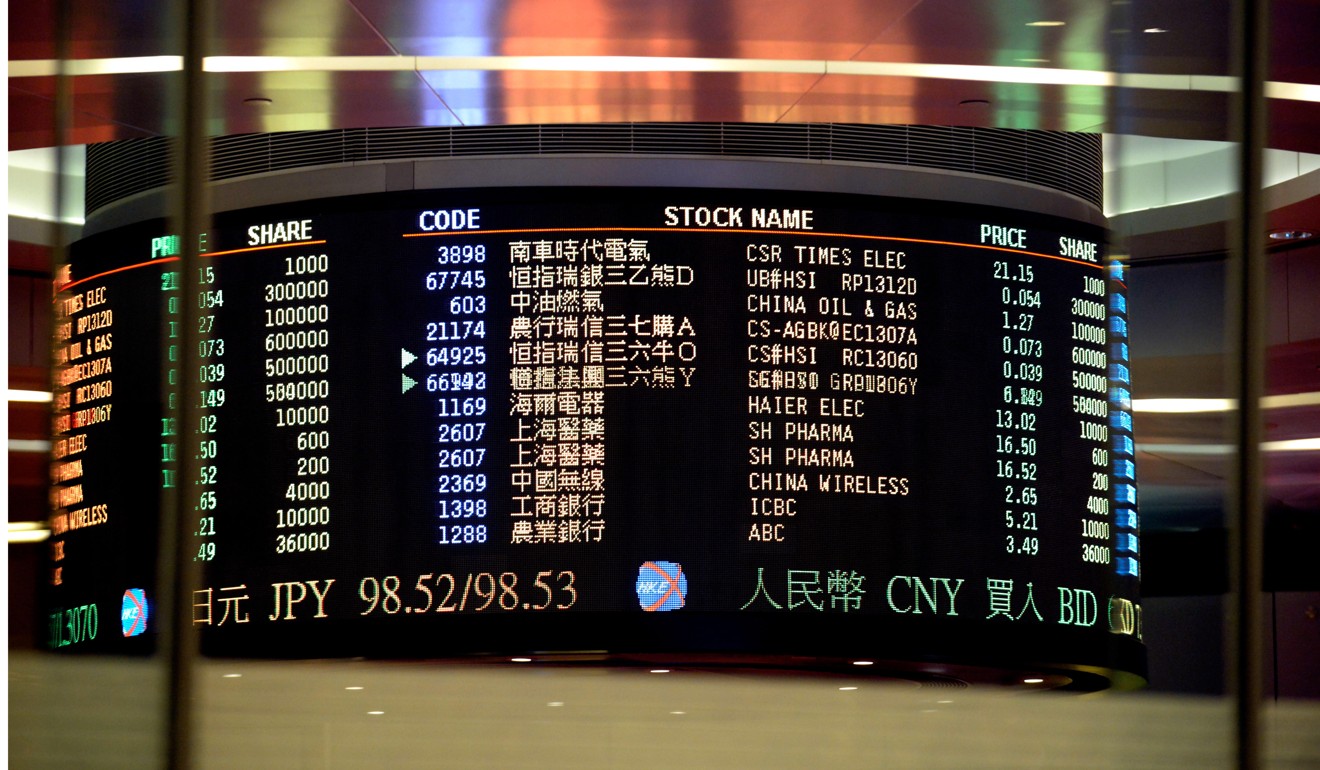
666	420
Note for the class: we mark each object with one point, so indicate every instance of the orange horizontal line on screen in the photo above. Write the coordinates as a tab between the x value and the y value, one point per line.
164	260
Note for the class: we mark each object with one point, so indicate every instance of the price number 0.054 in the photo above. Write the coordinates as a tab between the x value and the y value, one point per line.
474	592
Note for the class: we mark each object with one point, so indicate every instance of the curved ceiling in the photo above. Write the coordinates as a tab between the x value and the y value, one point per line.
1148	68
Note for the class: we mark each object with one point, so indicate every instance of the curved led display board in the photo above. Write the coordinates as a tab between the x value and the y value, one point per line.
695	421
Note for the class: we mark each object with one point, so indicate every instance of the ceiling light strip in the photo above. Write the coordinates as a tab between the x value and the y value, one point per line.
121	65
618	64
1221	450
309	63
27	531
1208	405
973	72
507	64
1291	400
30	396
1297	92
1183	405
966	72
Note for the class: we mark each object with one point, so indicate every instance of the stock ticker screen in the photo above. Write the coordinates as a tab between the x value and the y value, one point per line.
613	419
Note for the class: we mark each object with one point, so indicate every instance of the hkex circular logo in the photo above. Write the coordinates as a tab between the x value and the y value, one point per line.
661	586
133	615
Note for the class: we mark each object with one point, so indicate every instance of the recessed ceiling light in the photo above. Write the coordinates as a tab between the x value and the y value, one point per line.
1288	234
678	713
521	660
944	701
375	713
847	689
863	663
554	704
1033	680
1046	23
659	671
355	687
1154	30
233	676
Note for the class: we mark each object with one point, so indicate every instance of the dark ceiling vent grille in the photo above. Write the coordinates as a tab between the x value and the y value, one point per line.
118	170
1064	161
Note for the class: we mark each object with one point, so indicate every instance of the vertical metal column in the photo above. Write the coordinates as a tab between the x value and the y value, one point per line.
62	119
1246	299
180	572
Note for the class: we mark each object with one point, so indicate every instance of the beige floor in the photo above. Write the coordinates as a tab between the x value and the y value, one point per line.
84	712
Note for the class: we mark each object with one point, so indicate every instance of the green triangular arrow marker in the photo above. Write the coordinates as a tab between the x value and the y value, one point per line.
408	358
408	382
